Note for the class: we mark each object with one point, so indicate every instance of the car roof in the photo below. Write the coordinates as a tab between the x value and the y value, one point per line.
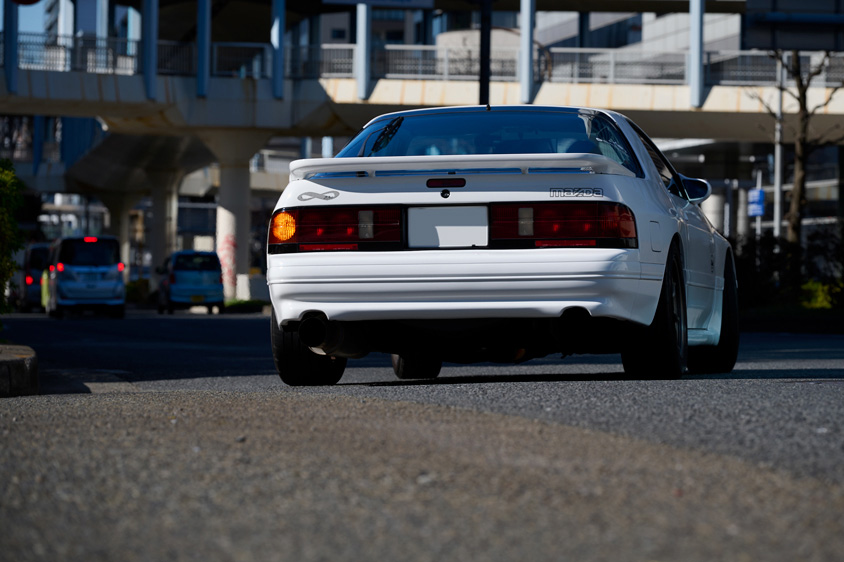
495	108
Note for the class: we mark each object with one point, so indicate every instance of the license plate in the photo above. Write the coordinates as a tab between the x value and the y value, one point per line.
447	227
197	298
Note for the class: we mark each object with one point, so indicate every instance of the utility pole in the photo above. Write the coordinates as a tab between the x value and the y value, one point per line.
486	48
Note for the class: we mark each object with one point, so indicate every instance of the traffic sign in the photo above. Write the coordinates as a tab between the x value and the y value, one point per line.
756	203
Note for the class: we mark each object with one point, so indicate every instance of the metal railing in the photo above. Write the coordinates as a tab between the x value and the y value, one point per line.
38	51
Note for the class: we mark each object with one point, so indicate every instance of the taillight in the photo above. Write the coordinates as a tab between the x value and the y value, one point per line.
120	267
172	278
314	229
29	280
550	225
60	267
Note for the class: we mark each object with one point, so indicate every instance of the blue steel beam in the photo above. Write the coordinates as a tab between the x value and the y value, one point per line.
277	40
203	47
10	45
149	38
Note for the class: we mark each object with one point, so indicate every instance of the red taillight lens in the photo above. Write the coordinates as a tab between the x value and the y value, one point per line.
59	267
29	280
335	228
90	239
564	224
120	267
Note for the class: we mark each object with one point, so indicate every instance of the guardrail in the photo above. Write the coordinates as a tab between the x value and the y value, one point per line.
38	51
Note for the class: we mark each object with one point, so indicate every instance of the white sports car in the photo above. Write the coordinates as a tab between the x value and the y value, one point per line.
469	234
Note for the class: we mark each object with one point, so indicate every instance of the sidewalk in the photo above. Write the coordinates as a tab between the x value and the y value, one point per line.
18	371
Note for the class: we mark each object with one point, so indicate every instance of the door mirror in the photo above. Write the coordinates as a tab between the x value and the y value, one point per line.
697	190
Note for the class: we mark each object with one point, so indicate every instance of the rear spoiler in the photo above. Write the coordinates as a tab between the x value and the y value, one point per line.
458	164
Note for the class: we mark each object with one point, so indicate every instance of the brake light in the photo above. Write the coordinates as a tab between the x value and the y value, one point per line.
335	228
120	267
90	239
555	225
59	267
29	280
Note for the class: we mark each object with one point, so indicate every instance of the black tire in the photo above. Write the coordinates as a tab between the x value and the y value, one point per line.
721	358
297	365
415	367
660	351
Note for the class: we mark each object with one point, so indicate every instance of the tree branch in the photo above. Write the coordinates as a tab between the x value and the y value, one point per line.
827	102
754	95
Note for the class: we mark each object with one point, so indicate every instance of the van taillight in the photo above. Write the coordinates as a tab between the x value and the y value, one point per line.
561	225
60	267
29	280
335	228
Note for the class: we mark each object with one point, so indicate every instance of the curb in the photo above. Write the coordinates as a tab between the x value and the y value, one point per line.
18	371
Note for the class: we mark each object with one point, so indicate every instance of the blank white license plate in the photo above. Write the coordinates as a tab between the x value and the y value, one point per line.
447	227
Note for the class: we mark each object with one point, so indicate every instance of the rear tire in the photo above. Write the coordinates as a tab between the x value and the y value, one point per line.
721	358
660	351
416	367
297	365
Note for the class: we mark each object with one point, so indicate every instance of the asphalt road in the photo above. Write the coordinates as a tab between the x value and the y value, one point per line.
172	438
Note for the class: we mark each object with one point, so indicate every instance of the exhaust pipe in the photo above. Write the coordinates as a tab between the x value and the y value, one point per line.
326	337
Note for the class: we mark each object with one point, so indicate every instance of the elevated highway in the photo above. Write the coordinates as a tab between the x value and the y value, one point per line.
175	101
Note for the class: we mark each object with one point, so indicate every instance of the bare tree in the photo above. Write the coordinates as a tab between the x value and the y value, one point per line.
806	139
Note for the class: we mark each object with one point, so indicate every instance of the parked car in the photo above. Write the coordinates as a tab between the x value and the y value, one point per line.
84	273
35	260
502	234
190	278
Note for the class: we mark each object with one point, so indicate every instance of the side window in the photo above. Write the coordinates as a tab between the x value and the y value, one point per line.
669	180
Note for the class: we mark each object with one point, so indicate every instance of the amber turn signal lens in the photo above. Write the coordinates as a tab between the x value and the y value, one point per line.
282	228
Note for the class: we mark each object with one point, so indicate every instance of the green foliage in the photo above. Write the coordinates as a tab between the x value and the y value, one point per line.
769	276
821	295
11	199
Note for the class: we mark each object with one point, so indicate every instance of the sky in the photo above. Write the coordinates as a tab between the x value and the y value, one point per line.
30	18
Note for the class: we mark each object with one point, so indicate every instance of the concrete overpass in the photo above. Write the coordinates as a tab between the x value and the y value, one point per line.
168	116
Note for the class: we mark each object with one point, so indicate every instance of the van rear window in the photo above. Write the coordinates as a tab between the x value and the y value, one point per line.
197	262
99	253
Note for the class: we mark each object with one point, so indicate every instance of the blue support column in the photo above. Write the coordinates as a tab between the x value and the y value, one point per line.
527	20
696	52
583	30
10	45
277	39
102	19
203	47
363	50
149	34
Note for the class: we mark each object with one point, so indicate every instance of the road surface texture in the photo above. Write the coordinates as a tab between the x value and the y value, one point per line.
171	438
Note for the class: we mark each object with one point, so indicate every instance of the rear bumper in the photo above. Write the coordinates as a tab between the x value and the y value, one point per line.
459	284
196	295
90	294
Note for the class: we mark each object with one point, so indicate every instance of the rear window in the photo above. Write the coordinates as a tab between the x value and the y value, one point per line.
38	258
97	253
493	132
197	262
